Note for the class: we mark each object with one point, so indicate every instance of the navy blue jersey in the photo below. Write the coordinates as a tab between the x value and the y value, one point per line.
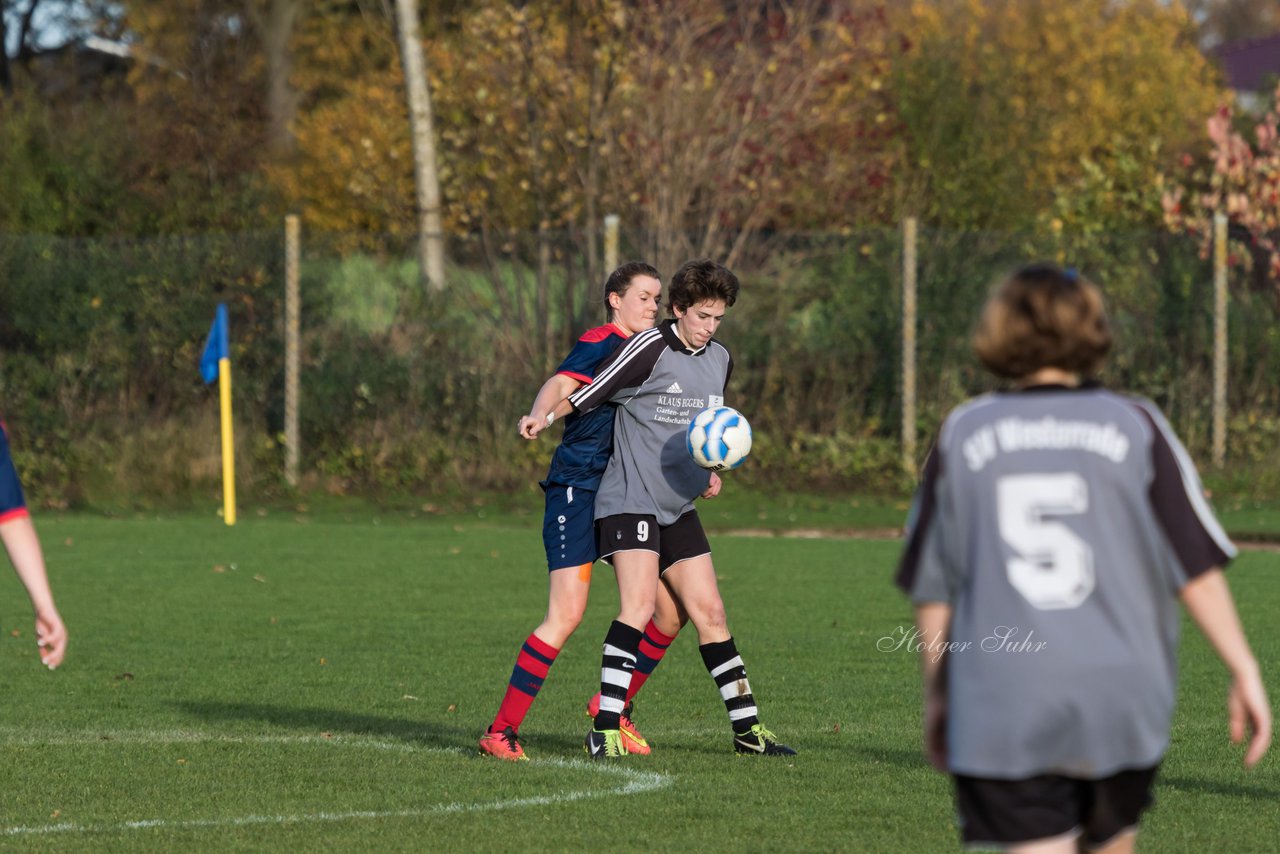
12	502
588	438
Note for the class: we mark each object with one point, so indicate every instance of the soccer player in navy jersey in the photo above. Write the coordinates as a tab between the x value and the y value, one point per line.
23	546
568	529
1056	527
646	523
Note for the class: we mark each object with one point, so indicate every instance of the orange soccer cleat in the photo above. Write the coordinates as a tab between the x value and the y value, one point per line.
504	745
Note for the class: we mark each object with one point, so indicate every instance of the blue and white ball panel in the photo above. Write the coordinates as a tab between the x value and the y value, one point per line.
719	438
13	504
569	527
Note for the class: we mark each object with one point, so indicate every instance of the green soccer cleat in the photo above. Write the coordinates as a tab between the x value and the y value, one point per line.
759	741
631	737
605	744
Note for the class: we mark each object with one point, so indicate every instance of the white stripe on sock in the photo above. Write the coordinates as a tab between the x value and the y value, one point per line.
620	678
736	661
609	704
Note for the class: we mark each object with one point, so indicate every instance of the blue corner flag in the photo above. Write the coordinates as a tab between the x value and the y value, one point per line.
216	347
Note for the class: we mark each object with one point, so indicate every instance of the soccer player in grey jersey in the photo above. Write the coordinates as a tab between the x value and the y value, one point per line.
1055	529
647	527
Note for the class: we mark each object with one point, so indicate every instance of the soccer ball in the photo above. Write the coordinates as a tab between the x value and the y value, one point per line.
719	438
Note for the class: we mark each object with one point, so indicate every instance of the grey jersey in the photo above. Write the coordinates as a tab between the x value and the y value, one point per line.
658	385
1059	524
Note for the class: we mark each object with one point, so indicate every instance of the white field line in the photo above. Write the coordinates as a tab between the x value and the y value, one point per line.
632	782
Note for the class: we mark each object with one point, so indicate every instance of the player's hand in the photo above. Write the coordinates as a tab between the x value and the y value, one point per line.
1249	711
530	427
51	637
935	732
713	488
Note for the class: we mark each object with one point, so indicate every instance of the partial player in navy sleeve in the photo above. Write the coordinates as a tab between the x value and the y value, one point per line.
1056	528
631	295
18	534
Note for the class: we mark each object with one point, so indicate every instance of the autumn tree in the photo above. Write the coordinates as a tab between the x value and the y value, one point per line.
200	112
738	120
1012	109
352	171
1223	21
1240	177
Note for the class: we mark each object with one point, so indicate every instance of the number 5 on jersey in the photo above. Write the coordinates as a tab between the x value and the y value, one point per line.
1052	567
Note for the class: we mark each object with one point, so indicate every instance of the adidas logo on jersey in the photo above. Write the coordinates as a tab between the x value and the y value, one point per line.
674	388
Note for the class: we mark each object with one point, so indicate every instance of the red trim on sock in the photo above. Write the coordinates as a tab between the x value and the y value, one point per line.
539	645
652	631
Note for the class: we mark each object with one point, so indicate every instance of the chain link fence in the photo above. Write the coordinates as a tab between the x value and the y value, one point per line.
409	391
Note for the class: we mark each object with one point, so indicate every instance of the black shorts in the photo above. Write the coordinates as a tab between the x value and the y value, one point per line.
629	532
1002	813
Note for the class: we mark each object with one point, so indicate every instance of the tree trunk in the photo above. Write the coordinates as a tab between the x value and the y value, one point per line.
282	99
430	225
6	82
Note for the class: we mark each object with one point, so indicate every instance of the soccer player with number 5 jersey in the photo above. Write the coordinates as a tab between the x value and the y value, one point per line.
1056	528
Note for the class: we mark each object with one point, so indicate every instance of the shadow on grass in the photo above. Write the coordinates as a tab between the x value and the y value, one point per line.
313	721
1210	787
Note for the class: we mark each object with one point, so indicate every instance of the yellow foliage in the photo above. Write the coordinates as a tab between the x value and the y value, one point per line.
1039	87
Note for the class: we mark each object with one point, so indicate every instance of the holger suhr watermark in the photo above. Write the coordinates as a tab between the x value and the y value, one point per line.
1006	639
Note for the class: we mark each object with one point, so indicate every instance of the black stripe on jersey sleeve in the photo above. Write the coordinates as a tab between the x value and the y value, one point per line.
918	521
1174	495
630	366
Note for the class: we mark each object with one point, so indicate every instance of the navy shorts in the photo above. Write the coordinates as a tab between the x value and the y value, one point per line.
1004	813
568	527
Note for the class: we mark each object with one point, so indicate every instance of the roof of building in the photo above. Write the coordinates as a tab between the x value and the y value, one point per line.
1249	64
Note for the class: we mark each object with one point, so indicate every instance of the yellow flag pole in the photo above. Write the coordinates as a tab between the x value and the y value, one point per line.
228	444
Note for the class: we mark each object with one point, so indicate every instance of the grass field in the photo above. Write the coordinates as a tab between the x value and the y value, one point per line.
318	682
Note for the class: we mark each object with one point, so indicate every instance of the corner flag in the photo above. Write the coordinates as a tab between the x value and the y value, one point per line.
215	363
216	346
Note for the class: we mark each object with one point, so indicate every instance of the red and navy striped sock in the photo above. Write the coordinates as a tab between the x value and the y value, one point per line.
653	645
532	665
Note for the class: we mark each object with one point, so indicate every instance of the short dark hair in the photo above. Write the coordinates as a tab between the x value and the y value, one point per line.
620	279
1043	316
702	281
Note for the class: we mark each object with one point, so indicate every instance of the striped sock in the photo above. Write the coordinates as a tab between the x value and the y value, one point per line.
532	665
725	666
617	663
653	645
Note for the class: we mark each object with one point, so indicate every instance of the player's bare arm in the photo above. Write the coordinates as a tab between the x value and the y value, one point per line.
933	620
23	546
1208	600
550	400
